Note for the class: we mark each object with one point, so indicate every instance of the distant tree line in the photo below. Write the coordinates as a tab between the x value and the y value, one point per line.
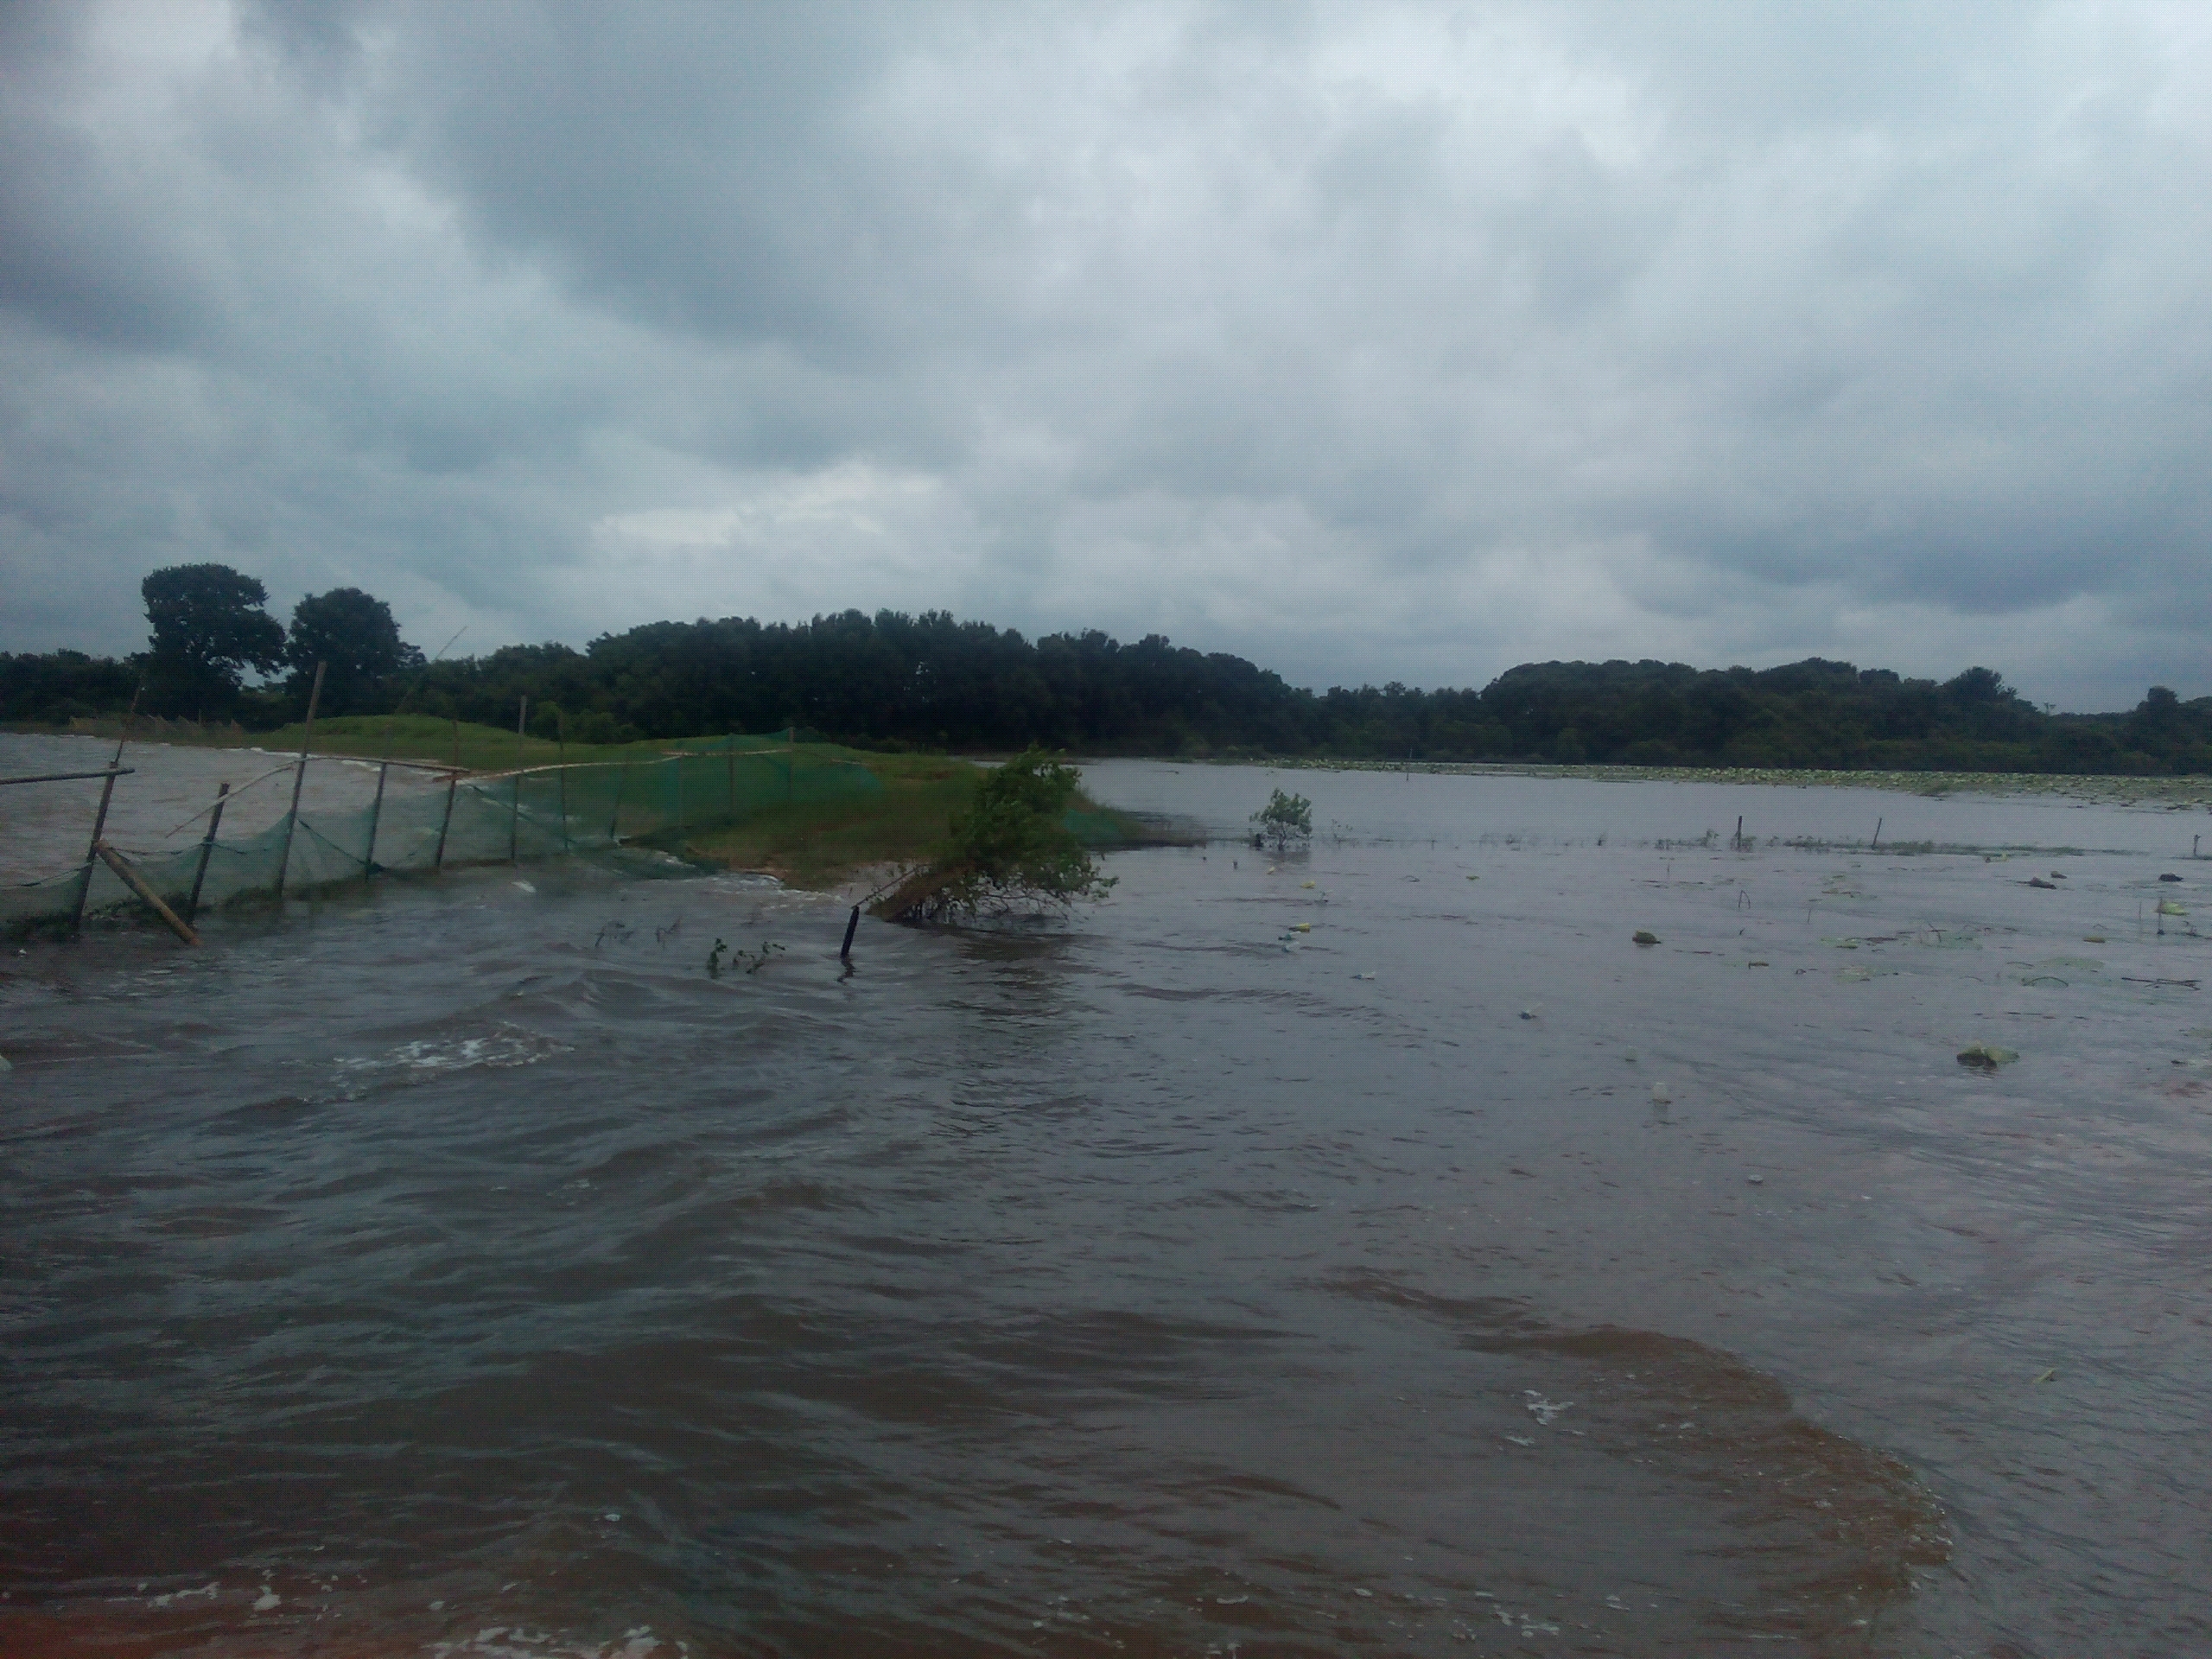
892	680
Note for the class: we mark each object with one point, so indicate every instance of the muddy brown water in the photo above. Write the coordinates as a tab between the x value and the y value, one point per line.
1318	1255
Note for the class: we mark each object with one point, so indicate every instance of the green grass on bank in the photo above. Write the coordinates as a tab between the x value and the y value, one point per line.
809	844
817	844
424	738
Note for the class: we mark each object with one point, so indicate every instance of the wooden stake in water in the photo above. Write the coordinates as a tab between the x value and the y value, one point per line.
136	883
99	818
514	816
299	778
438	858
1877	832
206	850
375	811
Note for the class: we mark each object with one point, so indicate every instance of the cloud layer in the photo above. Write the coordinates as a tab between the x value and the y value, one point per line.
1371	342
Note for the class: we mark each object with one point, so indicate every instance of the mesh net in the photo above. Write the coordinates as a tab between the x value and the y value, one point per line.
543	812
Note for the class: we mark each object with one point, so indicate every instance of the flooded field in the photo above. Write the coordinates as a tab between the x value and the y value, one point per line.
1372	1249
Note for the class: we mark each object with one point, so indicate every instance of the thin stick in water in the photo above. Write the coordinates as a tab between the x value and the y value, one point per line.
299	779
207	848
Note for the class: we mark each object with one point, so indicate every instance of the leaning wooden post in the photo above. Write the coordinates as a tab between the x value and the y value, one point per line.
100	825
514	815
438	858
375	811
614	818
99	818
561	776
136	883
852	926
206	848
299	778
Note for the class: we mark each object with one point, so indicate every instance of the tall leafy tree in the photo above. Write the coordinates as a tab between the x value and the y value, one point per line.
208	628
353	633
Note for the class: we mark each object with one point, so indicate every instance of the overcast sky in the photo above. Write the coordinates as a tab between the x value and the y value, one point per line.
1371	343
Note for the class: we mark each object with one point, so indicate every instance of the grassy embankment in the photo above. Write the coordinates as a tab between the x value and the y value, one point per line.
807	844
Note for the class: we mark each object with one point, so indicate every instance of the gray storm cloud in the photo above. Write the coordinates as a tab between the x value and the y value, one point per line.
1373	343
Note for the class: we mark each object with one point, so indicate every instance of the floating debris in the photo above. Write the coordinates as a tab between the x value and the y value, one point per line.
1544	1410
1662	1094
1985	1056
2037	881
1643	938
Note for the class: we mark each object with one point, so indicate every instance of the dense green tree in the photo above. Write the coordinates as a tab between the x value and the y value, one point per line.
208	629
932	680
354	635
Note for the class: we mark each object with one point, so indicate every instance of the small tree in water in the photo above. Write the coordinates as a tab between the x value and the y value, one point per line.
1008	852
1284	819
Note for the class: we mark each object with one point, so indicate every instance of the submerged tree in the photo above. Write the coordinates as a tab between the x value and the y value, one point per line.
1009	852
1284	819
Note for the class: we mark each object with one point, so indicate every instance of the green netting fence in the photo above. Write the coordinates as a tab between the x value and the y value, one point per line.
539	813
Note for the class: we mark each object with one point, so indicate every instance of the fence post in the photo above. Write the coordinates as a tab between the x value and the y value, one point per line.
376	812
438	859
299	779
99	825
206	848
561	776
514	816
99	818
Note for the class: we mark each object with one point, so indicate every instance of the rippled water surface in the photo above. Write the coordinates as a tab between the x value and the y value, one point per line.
1371	1249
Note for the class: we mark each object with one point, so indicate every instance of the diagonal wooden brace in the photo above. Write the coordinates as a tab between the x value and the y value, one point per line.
136	883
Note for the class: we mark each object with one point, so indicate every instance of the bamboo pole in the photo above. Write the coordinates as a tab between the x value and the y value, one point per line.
99	818
298	780
376	812
514	815
207	848
65	777
136	883
561	776
614	818
438	859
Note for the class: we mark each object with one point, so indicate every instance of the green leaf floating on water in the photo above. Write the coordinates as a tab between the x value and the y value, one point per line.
1985	1056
